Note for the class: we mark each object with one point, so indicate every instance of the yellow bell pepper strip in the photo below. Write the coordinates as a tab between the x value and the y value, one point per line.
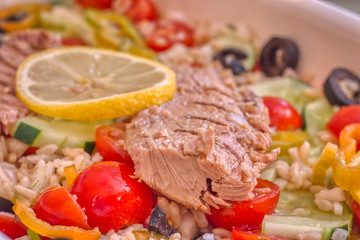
29	219
70	175
29	19
344	161
287	139
104	22
127	45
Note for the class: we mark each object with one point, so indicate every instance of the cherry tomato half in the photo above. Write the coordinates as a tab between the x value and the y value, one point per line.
249	212
102	4
356	211
109	142
111	196
11	227
136	10
283	116
167	32
245	232
57	207
345	116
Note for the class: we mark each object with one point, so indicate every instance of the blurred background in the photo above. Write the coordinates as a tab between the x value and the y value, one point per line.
354	5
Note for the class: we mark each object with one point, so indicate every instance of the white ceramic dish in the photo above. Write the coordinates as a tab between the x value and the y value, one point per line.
328	36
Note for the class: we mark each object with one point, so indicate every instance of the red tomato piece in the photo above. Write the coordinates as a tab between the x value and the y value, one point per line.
345	116
136	10
57	207
283	116
167	32
30	151
102	4
73	41
109	142
245	232
11	227
356	211
111	196
249	212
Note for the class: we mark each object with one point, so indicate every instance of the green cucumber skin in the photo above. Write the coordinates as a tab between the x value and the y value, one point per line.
286	222
26	133
60	132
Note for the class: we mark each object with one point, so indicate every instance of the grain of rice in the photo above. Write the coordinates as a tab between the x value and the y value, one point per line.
221	232
174	212
16	146
175	236
2	158
26	192
6	190
294	154
72	152
200	219
54	180
4	177
11	158
304	151
25	181
325	136
282	183
283	169
188	227
12	175
3	147
97	157
338	208
323	204
316	188
47	149
335	194
164	204
295	173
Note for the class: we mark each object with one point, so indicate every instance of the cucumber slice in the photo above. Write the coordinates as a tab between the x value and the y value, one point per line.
227	41
269	173
316	115
290	89
297	213
38	132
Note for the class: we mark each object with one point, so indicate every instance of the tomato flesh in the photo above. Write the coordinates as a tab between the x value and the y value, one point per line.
137	10
169	32
246	232
249	212
109	142
73	41
57	207
283	116
111	196
11	227
356	211
101	4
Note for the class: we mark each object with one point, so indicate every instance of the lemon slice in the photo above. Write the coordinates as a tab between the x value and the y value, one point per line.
83	83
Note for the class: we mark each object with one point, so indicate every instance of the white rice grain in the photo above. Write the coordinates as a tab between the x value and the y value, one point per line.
221	232
174	212
25	192
47	149
200	219
188	227
309	236
335	194
338	208
323	204
11	158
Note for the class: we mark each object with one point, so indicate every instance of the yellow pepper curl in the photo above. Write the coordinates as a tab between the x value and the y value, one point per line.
344	161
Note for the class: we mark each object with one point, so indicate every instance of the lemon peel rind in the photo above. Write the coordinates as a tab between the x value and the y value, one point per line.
101	108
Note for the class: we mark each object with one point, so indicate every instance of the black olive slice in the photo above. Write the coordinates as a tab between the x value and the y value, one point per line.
159	224
231	58
277	55
6	205
16	17
342	87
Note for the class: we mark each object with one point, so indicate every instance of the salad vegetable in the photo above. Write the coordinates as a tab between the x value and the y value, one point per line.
71	165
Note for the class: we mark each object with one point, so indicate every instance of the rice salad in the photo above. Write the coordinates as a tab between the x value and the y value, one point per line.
212	134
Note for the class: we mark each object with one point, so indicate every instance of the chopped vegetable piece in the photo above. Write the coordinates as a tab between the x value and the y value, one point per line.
283	116
26	133
33	235
245	232
6	205
111	196
277	55
102	4
254	209
70	175
110	144
28	217
342	87
356	211
343	161
167	33
89	147
10	226
148	235
57	206
136	10
288	139
231	58
159	224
